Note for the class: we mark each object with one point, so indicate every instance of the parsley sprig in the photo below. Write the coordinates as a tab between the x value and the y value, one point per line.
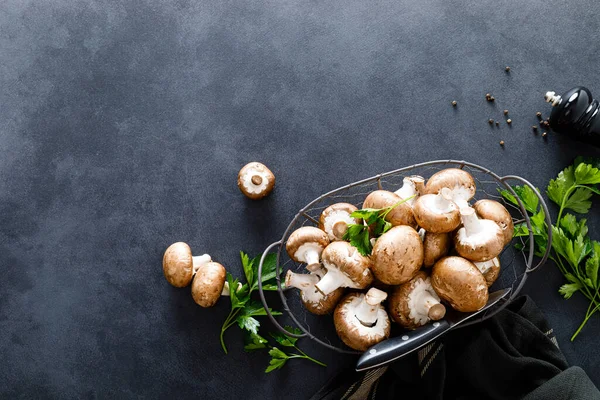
358	234
278	356
575	254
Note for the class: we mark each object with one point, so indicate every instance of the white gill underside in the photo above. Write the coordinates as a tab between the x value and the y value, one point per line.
408	189
334	217
377	330
420	299
340	278
484	232
484	266
308	251
313	296
438	205
459	192
251	187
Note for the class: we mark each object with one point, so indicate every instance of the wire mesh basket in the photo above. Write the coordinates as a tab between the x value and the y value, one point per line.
516	265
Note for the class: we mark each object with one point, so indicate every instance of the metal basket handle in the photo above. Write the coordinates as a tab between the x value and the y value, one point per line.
262	294
527	219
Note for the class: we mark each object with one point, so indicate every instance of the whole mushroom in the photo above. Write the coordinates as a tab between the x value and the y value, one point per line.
460	183
415	303
411	186
435	246
361	321
313	300
401	214
490	270
459	282
346	267
478	239
209	284
179	266
397	255
494	211
437	213
306	244
255	180
335	219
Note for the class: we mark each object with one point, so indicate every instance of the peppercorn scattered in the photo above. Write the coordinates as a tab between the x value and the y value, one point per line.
497	123
489	97
505	112
502	143
534	127
507	69
454	103
490	121
544	134
539	115
509	121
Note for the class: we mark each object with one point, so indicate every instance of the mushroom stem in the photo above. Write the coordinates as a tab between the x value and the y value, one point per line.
426	304
470	221
226	291
256	179
419	183
411	187
198	261
367	310
309	252
443	200
300	281
339	229
333	279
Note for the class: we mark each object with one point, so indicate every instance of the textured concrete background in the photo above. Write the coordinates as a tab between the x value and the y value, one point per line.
123	126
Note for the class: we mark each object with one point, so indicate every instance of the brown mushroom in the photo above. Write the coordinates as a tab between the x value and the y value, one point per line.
494	211
490	270
361	321
313	300
255	180
459	282
478	239
209	284
335	219
179	266
306	244
437	213
459	181
412	186
346	267
401	214
415	303
435	246
397	255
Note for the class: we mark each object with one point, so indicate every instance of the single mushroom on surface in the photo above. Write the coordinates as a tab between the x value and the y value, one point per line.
459	282
494	211
335	219
361	321
313	300
460	183
490	270
397	255
478	239
255	180
435	246
346	267
415	303
179	266
411	186
437	213
209	284
306	244
401	214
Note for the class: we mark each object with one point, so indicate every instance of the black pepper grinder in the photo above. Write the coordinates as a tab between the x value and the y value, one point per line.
576	113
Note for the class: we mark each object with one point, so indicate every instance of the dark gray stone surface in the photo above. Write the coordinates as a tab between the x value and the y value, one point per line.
123	126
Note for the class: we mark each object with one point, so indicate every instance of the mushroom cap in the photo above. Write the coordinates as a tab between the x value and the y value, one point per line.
354	334
434	219
495	211
402	214
255	188
335	213
482	246
304	235
459	282
208	284
398	302
350	262
325	304
490	270
178	265
397	255
435	246
459	181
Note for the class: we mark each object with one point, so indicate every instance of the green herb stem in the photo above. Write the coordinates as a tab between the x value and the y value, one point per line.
229	322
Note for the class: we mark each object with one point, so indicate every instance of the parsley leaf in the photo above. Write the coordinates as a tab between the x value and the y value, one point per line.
579	201
255	342
557	188
285	340
586	174
568	289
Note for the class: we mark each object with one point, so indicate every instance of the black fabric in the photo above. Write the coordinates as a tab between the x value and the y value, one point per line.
511	356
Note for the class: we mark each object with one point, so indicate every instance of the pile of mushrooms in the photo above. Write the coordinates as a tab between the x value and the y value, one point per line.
440	252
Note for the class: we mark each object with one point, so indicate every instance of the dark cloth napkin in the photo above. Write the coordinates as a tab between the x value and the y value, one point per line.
513	355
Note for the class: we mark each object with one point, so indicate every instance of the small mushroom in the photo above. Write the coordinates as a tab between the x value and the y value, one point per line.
478	239
397	255
415	303
346	267
335	219
209	284
255	180
361	321
411	186
313	300
306	244
401	214
435	246
459	181
490	270
495	211
179	266
437	213
459	282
